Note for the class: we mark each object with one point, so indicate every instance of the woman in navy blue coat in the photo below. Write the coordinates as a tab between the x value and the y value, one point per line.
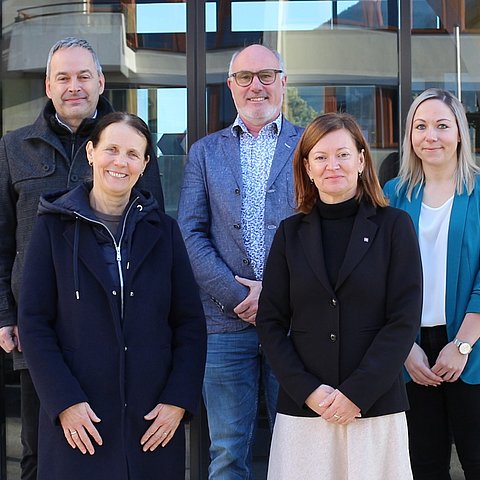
111	322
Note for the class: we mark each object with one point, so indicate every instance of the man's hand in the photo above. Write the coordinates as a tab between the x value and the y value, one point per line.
247	309
9	339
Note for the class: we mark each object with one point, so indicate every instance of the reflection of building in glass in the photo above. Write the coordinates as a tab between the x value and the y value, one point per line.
167	61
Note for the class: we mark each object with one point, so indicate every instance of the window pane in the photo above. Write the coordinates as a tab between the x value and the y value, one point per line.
339	56
445	39
145	70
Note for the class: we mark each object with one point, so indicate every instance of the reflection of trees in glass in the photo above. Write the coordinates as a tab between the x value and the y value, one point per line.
298	111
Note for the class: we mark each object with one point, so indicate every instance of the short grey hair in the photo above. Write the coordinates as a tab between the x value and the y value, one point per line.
71	42
411	171
281	63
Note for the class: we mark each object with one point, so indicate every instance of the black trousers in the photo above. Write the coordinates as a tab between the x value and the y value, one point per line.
30	407
439	415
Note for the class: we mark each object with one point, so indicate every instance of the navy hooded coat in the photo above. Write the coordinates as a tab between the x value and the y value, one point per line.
79	348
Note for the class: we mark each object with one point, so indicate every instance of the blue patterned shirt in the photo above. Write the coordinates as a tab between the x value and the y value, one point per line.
256	155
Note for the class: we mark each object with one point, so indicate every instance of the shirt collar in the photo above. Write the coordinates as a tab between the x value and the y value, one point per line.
239	126
66	126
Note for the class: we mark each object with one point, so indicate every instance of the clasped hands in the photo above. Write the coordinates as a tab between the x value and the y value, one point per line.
78	427
333	405
448	366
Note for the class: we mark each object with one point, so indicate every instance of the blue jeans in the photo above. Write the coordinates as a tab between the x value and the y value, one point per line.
235	365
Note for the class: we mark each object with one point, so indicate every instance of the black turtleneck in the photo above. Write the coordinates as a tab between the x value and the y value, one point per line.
337	222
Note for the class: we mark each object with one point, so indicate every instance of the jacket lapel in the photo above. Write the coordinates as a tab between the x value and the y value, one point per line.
146	236
286	143
231	155
310	233
40	130
414	206
456	230
363	234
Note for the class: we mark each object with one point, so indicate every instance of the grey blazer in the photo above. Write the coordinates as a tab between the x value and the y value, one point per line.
209	216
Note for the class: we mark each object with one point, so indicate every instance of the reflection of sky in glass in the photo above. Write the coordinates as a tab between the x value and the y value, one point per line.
278	16
171	109
170	18
142	104
246	16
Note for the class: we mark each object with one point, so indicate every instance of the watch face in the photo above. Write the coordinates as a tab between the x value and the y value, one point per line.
465	348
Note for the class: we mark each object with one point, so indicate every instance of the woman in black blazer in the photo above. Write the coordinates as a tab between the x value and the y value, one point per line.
338	314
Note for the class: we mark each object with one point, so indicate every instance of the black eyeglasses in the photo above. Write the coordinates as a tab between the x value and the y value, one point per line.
245	78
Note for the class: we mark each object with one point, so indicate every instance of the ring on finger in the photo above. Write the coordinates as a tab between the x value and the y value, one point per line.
336	417
73	432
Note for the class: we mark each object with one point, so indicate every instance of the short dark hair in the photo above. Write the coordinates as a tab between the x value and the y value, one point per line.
123	117
306	192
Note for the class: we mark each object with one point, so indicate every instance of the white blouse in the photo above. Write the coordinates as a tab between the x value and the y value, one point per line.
433	239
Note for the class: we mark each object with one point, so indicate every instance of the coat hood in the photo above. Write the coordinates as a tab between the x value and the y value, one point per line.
74	205
76	201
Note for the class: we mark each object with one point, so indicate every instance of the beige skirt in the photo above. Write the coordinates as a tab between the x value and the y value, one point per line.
313	449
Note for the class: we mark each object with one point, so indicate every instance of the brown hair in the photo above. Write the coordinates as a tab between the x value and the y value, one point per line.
123	117
306	192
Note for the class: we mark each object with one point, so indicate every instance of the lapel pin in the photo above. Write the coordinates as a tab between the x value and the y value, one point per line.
365	239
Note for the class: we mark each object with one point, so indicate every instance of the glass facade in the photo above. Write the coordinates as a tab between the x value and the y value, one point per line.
167	62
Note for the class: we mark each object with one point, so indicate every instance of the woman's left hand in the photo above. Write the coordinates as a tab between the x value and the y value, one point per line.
339	409
166	419
450	363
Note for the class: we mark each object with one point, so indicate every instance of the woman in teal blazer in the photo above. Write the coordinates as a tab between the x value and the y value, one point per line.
439	187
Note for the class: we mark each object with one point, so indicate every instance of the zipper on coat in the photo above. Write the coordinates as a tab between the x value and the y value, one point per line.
120	274
118	250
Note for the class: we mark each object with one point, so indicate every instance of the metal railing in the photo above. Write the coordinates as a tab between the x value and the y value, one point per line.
28	13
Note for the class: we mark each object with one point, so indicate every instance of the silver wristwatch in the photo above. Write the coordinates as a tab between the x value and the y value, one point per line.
463	347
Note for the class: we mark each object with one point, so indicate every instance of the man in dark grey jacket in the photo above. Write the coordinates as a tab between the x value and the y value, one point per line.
47	156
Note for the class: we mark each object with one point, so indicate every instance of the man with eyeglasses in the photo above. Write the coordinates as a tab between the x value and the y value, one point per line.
238	186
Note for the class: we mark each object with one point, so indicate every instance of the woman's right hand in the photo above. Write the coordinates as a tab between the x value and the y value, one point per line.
418	368
77	423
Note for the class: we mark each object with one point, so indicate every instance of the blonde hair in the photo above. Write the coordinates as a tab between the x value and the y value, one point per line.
411	171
